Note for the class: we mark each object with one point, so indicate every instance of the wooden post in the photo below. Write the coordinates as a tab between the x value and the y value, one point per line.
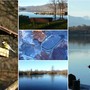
76	85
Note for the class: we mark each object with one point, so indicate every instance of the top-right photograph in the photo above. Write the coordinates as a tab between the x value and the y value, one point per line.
43	14
79	24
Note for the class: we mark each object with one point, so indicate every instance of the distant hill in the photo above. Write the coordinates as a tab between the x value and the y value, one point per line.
75	21
36	8
40	8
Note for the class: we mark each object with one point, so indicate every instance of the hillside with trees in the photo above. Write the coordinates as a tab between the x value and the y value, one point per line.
82	30
79	33
80	27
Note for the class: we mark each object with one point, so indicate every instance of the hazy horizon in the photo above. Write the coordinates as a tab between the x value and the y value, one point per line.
79	8
85	17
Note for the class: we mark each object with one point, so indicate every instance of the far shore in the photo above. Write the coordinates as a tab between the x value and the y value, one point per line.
64	72
44	13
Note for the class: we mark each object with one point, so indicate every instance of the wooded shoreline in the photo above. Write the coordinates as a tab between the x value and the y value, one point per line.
63	72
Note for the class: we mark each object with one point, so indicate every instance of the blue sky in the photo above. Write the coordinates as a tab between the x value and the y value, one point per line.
42	65
32	2
79	8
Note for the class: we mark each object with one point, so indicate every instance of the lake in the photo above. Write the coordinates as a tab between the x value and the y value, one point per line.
43	82
32	15
79	60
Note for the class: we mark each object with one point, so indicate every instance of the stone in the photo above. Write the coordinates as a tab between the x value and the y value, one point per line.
60	52
39	35
27	49
44	56
50	42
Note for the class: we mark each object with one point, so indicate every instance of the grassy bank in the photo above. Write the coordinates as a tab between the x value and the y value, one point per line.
41	23
63	72
62	24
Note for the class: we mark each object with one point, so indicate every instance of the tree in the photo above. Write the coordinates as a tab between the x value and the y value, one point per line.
24	20
62	5
52	68
53	5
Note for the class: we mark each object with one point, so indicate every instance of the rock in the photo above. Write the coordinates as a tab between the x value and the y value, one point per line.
59	54
50	42
39	35
44	56
38	57
21	57
27	49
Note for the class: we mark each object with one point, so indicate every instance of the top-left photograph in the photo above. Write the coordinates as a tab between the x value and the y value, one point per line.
43	14
8	44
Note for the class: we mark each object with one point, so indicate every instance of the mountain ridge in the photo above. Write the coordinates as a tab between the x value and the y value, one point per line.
75	21
45	7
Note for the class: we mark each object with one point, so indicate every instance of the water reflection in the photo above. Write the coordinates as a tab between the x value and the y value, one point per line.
32	76
32	15
43	82
79	61
80	42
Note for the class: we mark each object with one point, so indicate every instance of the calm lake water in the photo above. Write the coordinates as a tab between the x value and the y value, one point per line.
43	82
79	59
32	15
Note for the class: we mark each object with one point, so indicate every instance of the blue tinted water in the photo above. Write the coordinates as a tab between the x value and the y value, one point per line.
79	61
43	82
32	15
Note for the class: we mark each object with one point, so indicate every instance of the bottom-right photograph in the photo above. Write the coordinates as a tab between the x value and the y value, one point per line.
79	69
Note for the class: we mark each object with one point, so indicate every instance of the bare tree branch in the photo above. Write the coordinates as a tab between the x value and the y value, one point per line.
62	4
53	6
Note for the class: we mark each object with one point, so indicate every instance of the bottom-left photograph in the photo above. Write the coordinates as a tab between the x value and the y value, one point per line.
43	75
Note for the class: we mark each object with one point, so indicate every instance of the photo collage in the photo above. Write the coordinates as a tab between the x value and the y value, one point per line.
44	45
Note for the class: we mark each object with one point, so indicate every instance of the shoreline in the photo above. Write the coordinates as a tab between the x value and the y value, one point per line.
42	13
64	72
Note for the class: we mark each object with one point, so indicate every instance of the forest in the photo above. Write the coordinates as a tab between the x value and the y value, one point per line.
81	30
